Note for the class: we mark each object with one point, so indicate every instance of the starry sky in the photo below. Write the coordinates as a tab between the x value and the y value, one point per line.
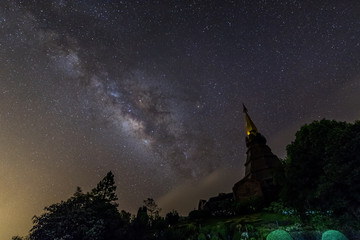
153	90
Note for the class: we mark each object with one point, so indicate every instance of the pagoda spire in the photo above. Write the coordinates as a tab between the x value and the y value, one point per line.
250	126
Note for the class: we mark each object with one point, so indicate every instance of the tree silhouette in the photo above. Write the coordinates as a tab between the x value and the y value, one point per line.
91	215
105	189
323	168
152	208
172	218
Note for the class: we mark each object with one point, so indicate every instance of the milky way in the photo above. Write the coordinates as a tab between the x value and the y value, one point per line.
153	91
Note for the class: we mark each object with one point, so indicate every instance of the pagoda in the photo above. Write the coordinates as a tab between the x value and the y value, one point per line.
260	166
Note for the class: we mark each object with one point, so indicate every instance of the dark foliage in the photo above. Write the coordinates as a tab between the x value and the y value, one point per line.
199	214
323	169
249	206
152	208
92	215
172	218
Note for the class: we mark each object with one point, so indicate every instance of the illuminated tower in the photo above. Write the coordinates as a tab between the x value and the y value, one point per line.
259	166
260	161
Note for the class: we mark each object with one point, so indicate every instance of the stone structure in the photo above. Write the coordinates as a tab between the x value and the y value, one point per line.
259	172
216	203
259	166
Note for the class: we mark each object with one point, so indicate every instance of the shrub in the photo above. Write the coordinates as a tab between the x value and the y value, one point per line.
333	235
279	235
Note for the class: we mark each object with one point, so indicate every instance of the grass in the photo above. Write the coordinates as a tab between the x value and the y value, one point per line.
258	224
253	219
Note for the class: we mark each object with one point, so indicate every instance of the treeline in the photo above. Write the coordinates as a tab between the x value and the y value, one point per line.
94	215
322	170
319	180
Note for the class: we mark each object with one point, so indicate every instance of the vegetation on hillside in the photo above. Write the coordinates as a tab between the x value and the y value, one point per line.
320	191
323	169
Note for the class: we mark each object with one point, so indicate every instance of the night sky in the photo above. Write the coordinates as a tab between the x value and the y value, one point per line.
153	91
